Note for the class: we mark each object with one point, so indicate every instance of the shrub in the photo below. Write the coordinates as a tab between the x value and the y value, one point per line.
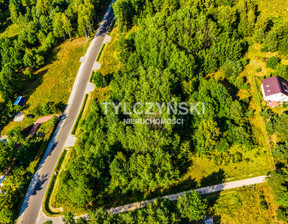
232	68
271	41
264	49
45	109
282	214
258	70
282	71
259	36
99	80
272	62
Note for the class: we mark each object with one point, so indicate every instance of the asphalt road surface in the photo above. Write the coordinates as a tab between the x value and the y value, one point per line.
31	208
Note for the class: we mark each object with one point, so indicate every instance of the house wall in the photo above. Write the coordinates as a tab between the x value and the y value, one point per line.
276	97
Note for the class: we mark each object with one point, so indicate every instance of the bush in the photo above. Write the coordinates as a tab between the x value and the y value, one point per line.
258	70
239	83
232	68
99	80
272	62
259	36
282	71
264	49
45	109
283	45
282	214
271	42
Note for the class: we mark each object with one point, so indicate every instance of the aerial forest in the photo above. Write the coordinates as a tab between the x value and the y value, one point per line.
167	51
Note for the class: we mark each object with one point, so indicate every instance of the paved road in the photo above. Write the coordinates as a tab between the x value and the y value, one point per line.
31	209
173	197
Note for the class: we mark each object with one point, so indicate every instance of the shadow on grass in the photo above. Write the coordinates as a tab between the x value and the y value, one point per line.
213	179
116	198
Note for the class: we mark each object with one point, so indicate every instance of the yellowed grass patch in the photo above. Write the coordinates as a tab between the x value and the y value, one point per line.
273	8
243	205
54	81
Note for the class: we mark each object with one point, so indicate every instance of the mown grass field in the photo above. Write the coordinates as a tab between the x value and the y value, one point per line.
53	83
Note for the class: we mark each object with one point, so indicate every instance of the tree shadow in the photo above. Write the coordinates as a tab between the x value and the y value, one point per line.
40	180
214	178
232	89
37	186
107	21
215	181
61	106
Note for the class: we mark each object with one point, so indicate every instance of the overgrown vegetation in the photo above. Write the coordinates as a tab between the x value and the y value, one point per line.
168	54
25	154
278	179
189	207
251	204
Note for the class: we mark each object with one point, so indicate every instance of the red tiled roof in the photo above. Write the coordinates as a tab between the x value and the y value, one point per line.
274	85
272	103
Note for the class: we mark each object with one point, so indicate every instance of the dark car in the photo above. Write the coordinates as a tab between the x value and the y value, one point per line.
30	115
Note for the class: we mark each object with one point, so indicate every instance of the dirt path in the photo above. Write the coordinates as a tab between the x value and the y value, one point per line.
171	197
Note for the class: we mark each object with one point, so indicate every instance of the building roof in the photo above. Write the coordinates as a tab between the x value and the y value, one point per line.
3	138
19	101
274	85
19	117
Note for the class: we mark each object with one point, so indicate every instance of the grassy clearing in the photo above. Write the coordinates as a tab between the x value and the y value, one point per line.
8	29
254	78
273	8
11	31
254	163
258	161
53	83
110	57
251	204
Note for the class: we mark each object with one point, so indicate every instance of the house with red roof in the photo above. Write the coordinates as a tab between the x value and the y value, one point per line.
275	91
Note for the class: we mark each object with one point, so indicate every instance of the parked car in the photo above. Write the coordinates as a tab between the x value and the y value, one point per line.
30	115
